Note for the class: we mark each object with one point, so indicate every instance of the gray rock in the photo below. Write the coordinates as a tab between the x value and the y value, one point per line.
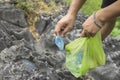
13	16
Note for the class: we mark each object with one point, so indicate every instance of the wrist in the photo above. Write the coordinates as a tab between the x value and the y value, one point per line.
100	17
96	21
71	16
72	13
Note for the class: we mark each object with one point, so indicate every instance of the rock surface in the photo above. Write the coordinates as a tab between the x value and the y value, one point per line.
21	58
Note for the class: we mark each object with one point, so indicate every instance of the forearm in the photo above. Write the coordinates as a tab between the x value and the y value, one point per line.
110	12
75	6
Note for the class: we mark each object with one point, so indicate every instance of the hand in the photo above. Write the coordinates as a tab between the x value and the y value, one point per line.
89	28
64	25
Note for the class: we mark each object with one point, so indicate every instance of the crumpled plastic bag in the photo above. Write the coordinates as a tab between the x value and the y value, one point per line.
59	42
84	54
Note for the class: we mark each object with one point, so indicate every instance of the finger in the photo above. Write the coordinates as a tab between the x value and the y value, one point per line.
58	28
82	34
92	34
66	30
89	34
85	34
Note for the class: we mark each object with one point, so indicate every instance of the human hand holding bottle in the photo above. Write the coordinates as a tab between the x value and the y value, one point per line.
64	25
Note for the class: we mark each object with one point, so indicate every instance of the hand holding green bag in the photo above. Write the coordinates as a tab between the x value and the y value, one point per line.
84	54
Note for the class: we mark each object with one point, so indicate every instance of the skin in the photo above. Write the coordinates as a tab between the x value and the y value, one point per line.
67	22
107	16
107	28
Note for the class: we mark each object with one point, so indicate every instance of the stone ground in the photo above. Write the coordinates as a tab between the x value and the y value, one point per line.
21	58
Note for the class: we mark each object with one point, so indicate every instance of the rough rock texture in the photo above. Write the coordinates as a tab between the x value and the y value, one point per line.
21	58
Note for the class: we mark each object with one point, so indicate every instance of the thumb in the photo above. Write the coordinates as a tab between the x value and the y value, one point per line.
58	28
82	34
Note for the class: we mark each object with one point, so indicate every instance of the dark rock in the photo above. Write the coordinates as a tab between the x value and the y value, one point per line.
13	16
58	1
47	1
13	1
4	5
42	23
27	65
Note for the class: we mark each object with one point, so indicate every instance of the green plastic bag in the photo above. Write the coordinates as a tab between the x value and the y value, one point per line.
84	54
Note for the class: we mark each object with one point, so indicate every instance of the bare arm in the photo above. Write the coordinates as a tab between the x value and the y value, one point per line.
103	16
75	6
109	12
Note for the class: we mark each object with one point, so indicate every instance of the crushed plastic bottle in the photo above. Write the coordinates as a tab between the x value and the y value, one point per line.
59	42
